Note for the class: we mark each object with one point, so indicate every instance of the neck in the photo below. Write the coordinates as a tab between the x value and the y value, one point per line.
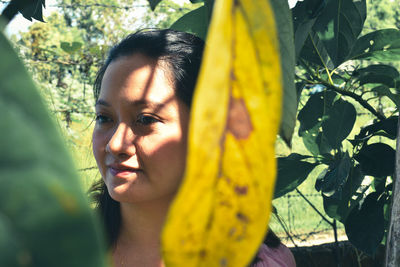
141	225
138	243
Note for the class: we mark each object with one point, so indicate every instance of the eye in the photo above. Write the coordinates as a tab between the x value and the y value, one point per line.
102	119
144	119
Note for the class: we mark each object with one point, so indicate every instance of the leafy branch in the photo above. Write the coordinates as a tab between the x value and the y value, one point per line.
28	8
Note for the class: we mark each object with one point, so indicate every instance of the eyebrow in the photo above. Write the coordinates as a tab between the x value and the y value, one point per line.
141	102
101	102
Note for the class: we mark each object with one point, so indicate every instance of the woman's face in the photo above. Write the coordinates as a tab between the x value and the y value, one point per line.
140	136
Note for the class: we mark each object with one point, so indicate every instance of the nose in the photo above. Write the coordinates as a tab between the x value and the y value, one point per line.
121	143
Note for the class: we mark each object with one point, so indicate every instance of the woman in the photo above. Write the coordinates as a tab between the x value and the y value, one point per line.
143	96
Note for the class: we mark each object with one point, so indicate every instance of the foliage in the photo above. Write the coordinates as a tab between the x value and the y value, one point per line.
197	22
64	53
44	216
336	89
221	212
29	9
357	180
343	55
381	15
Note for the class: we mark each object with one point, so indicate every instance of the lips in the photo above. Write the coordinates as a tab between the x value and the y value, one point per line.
118	170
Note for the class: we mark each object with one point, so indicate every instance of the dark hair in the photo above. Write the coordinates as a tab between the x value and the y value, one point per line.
181	54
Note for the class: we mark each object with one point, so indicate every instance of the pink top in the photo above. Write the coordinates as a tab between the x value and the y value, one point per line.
275	257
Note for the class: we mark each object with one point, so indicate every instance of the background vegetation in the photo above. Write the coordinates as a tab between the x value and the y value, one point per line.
341	71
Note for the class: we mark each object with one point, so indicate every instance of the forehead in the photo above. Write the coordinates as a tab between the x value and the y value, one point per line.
136	77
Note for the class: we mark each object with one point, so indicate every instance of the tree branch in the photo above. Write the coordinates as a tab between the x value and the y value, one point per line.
356	97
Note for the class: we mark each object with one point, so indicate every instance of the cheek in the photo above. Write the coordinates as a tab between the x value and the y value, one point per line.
166	153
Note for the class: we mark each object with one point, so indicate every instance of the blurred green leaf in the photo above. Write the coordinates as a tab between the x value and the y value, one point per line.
40	195
284	26
70	48
10	244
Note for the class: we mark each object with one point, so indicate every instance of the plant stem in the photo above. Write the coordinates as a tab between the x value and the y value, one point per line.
356	97
337	249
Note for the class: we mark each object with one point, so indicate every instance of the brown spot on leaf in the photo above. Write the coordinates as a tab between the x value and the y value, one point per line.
232	231
241	190
225	203
239	123
223	262
242	217
202	253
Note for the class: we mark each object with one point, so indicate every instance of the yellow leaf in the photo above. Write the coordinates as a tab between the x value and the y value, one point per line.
220	214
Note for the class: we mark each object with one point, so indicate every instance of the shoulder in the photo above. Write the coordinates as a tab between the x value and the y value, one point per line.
280	256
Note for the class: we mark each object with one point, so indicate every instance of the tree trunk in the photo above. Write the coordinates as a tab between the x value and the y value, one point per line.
392	258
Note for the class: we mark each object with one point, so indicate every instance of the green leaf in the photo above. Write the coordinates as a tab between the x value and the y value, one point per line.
287	54
315	141
365	227
32	10
299	88
339	122
314	51
40	194
377	159
331	182
314	110
196	1
387	128
378	73
154	3
10	245
381	45
311	117
70	48
339	207
195	22
292	171
304	17
383	90
339	25
378	184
